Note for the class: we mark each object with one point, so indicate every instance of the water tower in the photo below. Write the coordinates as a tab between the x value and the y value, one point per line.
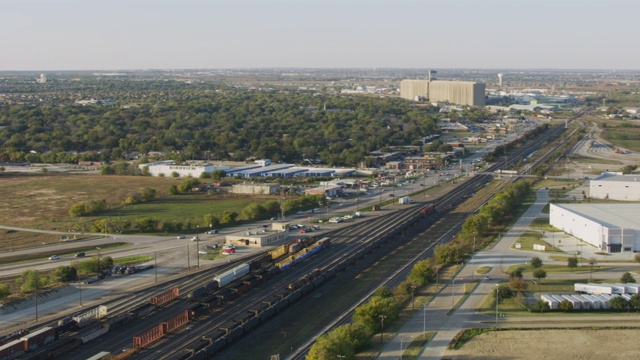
500	79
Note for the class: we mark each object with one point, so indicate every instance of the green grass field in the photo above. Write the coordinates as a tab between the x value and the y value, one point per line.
530	238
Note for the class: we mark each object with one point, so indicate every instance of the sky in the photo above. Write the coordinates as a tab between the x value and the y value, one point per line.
218	34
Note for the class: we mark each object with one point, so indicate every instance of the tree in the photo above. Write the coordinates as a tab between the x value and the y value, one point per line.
422	273
31	280
516	274
539	274
637	258
211	220
254	211
173	190
504	292
229	217
634	303
565	305
536	262
448	254
627	278
572	262
619	303
518	285
66	273
540	306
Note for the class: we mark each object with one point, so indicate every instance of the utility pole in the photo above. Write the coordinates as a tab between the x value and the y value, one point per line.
155	264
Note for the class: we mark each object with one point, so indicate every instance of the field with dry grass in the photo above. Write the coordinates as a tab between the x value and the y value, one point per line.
550	344
43	200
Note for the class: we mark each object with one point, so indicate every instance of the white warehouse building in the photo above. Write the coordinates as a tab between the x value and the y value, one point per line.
185	170
611	228
615	186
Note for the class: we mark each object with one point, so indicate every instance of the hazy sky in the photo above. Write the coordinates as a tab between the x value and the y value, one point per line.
143	34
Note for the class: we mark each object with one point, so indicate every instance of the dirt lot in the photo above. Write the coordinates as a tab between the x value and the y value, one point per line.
551	344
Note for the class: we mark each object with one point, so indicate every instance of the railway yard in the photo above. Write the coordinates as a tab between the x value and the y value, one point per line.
277	302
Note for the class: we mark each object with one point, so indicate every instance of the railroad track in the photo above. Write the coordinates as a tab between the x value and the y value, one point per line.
348	243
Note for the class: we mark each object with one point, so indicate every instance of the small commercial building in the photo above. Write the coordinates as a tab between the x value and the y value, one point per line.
615	186
611	228
259	237
255	188
327	190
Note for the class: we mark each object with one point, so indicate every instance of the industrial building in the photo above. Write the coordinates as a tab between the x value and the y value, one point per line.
255	189
455	92
615	186
167	168
611	228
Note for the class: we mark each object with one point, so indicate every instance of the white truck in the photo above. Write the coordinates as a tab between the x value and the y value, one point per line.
404	200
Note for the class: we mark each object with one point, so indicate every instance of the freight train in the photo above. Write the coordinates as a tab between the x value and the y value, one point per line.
223	288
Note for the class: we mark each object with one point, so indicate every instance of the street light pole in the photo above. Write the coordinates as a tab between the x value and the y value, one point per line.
452	294
382	317
401	347
36	287
155	264
424	318
198	244
188	257
497	301
80	291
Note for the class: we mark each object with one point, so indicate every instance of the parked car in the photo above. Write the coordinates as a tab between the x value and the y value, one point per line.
80	254
182	236
54	257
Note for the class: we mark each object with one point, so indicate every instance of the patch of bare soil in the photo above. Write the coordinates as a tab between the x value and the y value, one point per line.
551	344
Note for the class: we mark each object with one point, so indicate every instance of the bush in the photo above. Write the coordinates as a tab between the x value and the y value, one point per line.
540	306
4	290
66	273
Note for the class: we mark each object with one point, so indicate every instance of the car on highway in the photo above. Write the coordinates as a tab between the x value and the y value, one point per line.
487	277
211	232
203	252
182	236
80	254
195	238
228	251
54	257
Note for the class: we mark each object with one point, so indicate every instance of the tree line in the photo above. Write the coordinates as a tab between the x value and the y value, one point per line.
203	123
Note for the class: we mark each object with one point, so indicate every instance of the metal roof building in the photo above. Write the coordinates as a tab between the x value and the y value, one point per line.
261	170
289	172
612	228
615	186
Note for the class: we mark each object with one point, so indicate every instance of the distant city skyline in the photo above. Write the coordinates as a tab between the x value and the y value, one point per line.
49	35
